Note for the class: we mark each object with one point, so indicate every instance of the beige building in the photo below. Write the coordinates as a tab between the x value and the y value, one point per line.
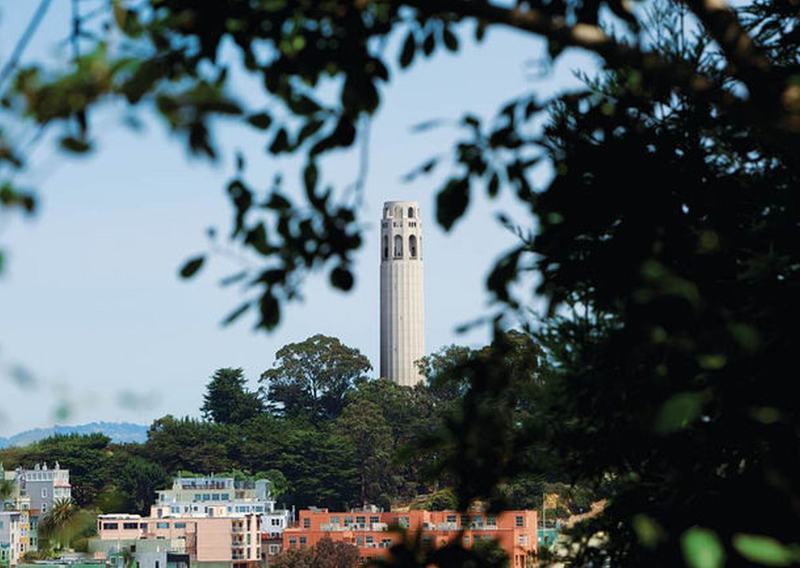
402	293
232	542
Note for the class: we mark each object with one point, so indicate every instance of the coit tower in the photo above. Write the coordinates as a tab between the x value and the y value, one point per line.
402	298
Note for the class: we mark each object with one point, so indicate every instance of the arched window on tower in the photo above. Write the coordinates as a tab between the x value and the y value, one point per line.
385	247
412	246
398	246
411	212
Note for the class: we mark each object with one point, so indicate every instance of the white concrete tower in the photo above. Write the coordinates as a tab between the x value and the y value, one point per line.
402	297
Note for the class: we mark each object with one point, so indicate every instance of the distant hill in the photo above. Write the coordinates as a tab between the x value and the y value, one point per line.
119	432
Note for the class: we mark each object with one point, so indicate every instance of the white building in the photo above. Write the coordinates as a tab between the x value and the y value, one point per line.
402	293
211	496
11	545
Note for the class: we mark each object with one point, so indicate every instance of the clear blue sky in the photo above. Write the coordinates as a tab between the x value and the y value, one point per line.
90	302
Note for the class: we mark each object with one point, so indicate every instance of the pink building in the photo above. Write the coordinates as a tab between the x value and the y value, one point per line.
233	541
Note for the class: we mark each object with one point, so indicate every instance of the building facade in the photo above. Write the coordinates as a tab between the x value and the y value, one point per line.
11	547
372	532
213	496
402	293
34	494
212	542
44	487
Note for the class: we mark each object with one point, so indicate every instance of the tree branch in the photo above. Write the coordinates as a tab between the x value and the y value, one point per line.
748	62
26	36
582	35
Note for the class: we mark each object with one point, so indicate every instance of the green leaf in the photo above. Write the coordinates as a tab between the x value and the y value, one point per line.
342	278
234	278
75	145
278	202
450	39
236	314
191	266
764	550
270	310
310	177
429	44
679	411
260	120
647	530
280	143
702	549
408	51
494	185
451	203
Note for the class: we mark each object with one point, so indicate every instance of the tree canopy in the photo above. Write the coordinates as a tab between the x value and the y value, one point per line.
311	378
227	399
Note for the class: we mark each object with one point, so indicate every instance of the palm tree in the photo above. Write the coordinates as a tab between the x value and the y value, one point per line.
54	524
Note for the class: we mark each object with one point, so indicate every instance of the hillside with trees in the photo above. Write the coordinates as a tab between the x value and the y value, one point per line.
318	426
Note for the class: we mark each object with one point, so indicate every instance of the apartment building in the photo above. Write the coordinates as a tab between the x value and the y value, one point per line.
41	487
35	492
11	547
211	542
212	496
373	532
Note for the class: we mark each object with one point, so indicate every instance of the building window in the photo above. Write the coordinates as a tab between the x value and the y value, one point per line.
374	519
398	246
130	526
361	520
180	525
162	525
44	507
411	212
110	526
412	246
491	521
306	523
520	521
44	492
451	518
385	247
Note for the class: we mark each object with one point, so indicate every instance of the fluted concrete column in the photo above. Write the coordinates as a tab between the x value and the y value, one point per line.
402	293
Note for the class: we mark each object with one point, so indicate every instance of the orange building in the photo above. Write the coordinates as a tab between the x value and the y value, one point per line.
373	534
